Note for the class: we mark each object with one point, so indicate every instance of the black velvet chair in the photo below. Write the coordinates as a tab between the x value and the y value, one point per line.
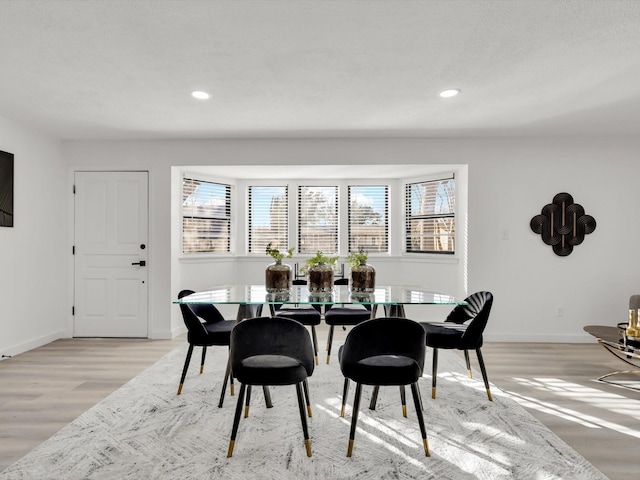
307	315
213	332
382	352
343	316
462	330
271	351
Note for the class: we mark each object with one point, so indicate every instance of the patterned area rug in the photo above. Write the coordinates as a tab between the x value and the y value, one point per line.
145	431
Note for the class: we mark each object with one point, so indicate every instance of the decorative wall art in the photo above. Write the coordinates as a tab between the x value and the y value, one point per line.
563	224
6	189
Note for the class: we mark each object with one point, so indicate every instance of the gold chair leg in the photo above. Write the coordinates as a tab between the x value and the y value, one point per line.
180	388
350	449
433	392
426	447
307	444
489	395
230	451
246	411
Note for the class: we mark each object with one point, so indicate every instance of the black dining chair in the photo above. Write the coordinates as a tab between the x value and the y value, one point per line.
306	315
462	330
271	351
382	352
343	316
214	331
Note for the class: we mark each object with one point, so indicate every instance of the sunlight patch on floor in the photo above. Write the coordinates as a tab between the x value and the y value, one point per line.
376	429
592	396
571	415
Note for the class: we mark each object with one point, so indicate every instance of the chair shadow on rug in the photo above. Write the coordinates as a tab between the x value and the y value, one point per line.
382	352
271	351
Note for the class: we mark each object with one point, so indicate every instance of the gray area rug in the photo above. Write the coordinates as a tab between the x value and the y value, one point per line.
145	431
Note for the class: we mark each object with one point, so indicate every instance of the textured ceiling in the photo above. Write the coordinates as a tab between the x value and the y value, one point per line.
125	69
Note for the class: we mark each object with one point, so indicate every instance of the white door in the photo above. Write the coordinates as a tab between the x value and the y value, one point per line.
111	254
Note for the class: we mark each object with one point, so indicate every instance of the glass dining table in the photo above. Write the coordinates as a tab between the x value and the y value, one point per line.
251	298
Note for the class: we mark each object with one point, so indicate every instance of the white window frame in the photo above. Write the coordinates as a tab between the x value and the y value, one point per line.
396	213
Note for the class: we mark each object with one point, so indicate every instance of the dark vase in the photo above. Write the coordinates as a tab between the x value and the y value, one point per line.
363	278
320	279
278	277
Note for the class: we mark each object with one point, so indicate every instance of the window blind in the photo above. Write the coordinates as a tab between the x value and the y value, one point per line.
318	219
268	218
430	216
368	223
206	217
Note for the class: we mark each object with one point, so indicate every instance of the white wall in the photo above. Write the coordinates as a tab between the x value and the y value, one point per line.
510	180
33	293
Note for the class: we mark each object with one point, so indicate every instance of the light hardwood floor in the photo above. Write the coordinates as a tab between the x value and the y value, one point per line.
44	389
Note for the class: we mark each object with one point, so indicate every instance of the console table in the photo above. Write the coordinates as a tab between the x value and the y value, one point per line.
614	341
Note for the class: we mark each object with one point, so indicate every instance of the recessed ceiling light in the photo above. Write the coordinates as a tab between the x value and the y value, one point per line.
200	95
451	92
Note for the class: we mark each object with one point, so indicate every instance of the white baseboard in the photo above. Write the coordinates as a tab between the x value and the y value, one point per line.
168	334
32	343
539	338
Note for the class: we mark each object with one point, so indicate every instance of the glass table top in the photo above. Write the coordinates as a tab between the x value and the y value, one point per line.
299	294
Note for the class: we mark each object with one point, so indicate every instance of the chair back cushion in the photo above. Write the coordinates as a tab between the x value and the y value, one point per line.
477	311
382	339
196	330
275	336
208	312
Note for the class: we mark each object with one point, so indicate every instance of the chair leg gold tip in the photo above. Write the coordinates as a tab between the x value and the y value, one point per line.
328	359
426	448
232	392
342	411
246	412
350	449
179	389
317	363
230	451
309	413
201	369
469	373
404	411
489	395
433	392
307	444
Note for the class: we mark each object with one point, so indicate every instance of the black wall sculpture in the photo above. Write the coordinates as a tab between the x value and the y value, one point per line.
563	224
